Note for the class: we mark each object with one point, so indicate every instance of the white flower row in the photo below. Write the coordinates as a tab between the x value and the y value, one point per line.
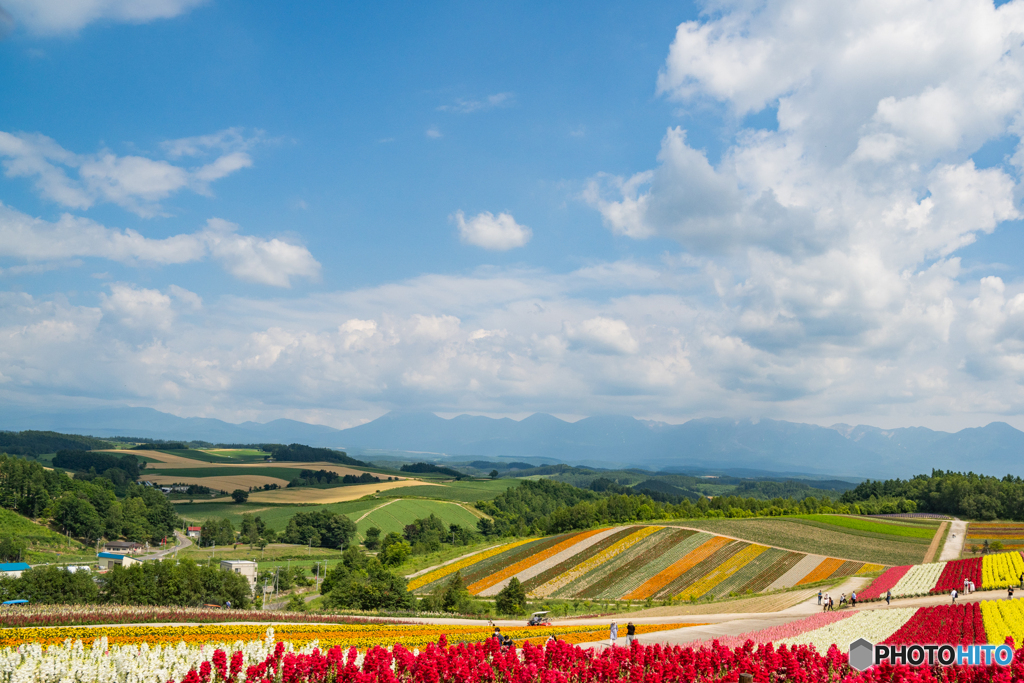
919	580
875	625
75	663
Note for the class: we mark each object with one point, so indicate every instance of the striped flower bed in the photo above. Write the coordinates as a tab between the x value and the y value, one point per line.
884	583
722	572
956	572
919	580
636	562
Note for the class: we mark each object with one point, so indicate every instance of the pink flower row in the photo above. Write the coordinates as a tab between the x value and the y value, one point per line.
793	628
884	583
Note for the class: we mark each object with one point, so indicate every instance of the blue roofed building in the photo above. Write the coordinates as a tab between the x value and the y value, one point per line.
109	560
12	570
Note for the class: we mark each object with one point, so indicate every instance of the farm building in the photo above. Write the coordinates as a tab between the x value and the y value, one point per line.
12	570
110	560
246	568
193	531
129	547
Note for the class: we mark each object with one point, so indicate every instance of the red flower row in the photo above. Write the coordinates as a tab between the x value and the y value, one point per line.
956	571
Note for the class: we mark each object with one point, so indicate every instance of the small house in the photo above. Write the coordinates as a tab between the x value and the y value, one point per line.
13	570
246	568
129	547
110	560
193	531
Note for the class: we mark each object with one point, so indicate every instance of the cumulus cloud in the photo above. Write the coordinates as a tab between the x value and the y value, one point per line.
603	335
68	16
471	106
497	233
136	183
254	259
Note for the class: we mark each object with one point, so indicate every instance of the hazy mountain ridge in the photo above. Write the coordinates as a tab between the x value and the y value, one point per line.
607	440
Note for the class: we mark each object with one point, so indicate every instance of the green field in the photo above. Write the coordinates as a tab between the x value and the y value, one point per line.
460	491
809	536
875	526
392	517
275	516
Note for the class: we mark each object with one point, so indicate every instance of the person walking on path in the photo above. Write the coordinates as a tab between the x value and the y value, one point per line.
630	632
1009	591
825	608
614	633
1022	579
853	599
819	596
831	605
952	594
888	597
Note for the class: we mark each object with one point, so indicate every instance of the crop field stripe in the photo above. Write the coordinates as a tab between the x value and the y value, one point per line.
742	576
670	573
485	569
723	571
631	585
583	543
961	624
594	545
768	575
625	564
458	566
886	528
537	553
702	569
642	566
853	531
847	568
1003	618
1001	570
559	585
798	571
920	580
869	567
590	585
824	570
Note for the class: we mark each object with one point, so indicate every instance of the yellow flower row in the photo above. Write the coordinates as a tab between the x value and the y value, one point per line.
1001	570
360	636
1003	618
722	572
444	571
597	560
513	569
868	568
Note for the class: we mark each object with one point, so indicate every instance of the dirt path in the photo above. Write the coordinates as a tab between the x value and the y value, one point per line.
929	556
367	513
955	541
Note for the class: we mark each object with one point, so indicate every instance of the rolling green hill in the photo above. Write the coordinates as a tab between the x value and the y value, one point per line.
393	516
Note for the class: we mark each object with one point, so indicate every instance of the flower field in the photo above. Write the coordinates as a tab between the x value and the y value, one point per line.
1010	534
988	573
75	615
636	563
483	661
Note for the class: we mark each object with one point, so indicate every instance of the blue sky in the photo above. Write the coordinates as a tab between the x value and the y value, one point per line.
667	210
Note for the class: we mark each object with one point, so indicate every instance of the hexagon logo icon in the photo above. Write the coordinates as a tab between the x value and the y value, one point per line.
861	654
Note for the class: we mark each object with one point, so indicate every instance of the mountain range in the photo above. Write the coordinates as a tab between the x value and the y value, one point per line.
707	444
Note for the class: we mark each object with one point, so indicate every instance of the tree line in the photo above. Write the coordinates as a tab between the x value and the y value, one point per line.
975	496
168	582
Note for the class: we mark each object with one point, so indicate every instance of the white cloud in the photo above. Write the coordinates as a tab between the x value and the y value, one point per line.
254	259
471	106
434	133
603	335
68	16
497	233
136	183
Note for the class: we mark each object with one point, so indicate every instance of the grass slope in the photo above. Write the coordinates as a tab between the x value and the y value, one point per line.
394	516
44	544
874	526
820	539
275	516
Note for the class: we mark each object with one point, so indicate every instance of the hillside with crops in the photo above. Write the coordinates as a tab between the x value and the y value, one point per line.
637	563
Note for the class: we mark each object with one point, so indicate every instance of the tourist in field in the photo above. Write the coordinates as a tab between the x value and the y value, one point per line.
888	597
1009	592
630	632
953	594
1022	579
819	596
497	635
853	599
614	633
842	600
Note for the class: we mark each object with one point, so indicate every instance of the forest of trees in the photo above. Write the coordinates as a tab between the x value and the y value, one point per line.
362	582
87	507
545	506
970	495
32	443
298	453
98	463
320	529
328	478
427	468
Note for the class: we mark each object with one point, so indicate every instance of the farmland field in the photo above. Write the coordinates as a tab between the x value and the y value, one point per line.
275	516
812	537
461	491
393	516
1009	534
924	530
637	563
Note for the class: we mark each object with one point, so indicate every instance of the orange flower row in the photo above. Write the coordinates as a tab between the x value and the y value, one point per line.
486	582
824	570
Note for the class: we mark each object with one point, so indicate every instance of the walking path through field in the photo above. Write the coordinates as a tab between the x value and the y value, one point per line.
955	541
367	513
933	548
